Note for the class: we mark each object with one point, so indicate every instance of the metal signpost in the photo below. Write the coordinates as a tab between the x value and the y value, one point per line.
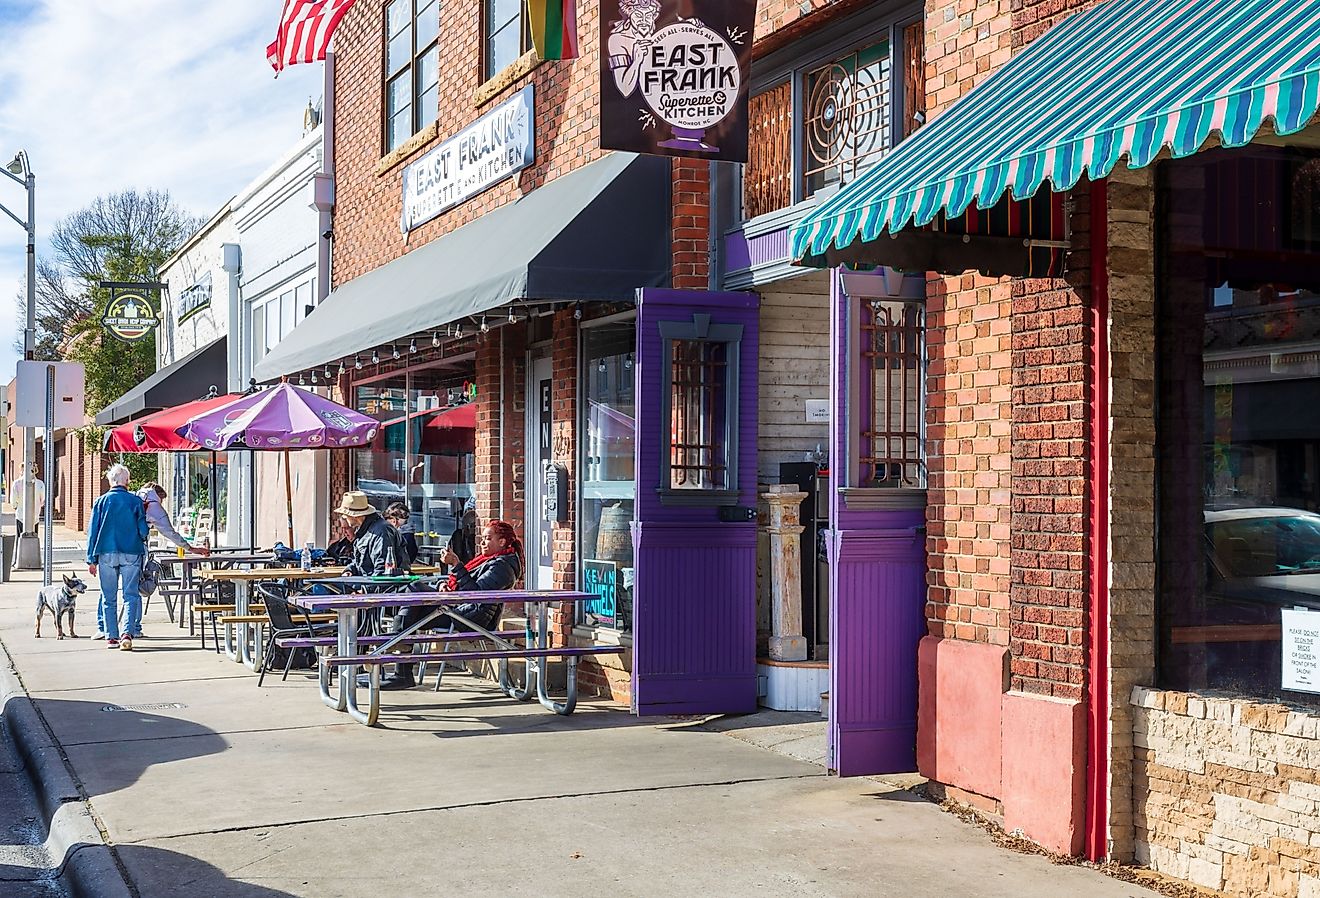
49	395
20	171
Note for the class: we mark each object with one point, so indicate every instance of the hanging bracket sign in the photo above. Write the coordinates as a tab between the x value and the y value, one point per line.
130	315
499	144
674	77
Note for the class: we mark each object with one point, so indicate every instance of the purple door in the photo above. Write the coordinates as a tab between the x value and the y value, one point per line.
694	534
877	536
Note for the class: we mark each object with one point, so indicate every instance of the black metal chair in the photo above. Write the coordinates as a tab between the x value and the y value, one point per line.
283	623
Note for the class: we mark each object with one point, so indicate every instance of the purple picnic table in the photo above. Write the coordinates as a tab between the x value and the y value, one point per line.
535	653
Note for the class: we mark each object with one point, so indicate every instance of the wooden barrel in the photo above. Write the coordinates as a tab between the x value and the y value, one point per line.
614	535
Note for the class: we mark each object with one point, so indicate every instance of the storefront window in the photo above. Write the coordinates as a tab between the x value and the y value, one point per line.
382	470
1239	439
608	482
441	461
192	494
424	455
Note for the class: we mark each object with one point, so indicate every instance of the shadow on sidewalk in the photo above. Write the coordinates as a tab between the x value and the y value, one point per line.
154	871
166	874
117	744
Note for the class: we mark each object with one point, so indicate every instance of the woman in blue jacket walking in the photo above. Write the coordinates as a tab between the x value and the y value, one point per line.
116	548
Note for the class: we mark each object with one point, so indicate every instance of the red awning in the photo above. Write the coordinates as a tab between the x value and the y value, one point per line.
155	432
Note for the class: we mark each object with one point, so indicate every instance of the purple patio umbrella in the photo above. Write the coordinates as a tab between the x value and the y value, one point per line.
281	419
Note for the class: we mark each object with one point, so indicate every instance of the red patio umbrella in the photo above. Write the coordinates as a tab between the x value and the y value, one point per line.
156	432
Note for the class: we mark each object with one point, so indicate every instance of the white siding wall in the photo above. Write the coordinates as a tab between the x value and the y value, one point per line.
200	257
794	367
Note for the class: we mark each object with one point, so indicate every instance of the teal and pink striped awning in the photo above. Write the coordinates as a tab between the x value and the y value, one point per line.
1126	79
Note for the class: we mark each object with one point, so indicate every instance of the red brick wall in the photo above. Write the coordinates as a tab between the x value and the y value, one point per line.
1051	382
969	420
1032	18
1007	418
368	201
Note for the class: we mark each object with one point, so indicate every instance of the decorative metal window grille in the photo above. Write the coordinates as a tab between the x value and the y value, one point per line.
847	116
768	175
894	373
699	421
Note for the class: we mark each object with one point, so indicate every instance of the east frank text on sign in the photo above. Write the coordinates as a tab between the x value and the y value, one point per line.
499	144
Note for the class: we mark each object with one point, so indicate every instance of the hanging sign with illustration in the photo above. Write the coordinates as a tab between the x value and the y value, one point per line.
130	315
674	77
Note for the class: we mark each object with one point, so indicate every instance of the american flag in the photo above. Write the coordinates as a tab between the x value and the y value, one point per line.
305	30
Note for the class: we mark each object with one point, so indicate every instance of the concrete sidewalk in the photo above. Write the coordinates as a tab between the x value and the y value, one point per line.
207	786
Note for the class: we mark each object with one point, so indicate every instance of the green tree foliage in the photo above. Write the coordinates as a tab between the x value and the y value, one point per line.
123	236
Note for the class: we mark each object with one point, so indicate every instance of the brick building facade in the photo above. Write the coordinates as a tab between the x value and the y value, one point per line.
1036	668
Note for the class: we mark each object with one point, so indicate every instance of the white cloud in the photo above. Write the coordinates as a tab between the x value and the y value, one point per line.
120	94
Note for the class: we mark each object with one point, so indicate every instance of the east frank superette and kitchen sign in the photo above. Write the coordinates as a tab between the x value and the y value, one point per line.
674	77
499	144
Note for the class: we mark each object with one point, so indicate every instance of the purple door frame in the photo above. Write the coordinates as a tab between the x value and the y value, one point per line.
694	595
877	558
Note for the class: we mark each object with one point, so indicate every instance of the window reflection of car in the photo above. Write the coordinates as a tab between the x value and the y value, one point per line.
380	492
1259	561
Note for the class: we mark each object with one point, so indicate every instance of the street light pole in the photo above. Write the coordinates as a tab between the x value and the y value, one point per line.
20	170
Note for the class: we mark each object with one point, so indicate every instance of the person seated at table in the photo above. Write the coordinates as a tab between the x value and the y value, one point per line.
397	514
341	550
497	567
463	541
375	541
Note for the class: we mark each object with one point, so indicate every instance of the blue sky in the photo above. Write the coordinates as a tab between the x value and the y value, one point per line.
146	94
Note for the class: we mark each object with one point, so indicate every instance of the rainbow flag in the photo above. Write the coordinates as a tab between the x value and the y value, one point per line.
554	28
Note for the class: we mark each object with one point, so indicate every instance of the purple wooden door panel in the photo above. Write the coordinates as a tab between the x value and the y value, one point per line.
877	596
694	596
876	622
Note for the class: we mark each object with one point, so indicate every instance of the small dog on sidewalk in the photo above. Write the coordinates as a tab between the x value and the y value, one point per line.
59	599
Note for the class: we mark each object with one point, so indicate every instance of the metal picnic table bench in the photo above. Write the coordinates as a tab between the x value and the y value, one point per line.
244	646
348	657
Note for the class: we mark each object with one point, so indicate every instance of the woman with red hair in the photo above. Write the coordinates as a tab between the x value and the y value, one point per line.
498	566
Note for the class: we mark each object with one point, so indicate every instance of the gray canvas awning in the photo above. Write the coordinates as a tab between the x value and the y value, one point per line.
190	378
598	233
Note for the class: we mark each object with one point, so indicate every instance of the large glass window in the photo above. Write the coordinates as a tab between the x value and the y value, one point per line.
442	445
1239	438
412	87
505	34
608	482
424	455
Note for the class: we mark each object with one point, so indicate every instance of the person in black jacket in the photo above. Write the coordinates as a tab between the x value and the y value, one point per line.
496	568
401	519
375	541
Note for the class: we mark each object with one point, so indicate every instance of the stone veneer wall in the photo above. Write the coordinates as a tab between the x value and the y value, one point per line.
1228	793
1131	200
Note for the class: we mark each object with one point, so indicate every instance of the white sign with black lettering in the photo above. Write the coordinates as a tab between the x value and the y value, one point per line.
499	144
1301	650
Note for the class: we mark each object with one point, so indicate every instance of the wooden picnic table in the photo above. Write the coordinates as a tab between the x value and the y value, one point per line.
535	653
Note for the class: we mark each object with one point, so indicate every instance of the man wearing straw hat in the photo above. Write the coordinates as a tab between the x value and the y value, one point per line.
376	543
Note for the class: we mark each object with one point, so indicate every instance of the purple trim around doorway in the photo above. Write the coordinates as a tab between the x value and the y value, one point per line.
877	596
